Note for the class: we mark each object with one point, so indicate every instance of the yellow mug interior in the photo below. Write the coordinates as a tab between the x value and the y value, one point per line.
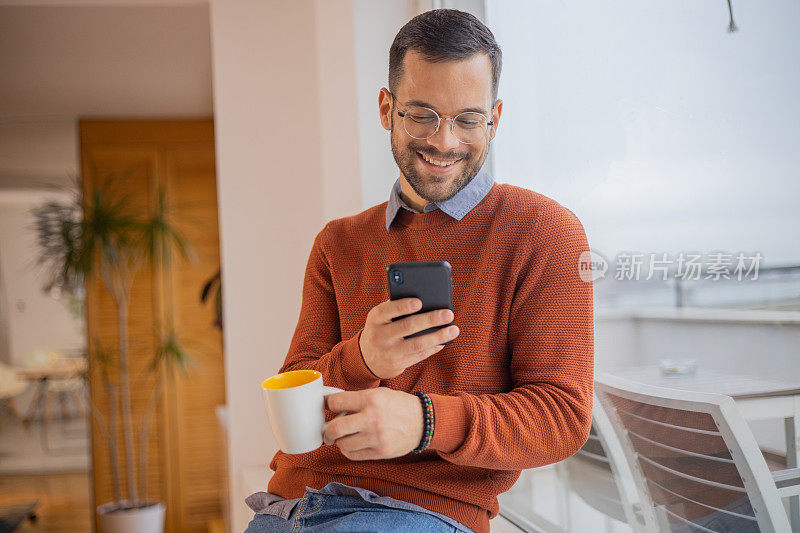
293	378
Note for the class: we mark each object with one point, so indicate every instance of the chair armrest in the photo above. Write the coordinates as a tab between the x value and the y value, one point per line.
787	481
533	523
500	524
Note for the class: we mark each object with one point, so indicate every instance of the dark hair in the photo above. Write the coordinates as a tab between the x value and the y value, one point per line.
444	35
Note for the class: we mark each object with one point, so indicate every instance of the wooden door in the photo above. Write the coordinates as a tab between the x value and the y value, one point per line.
185	463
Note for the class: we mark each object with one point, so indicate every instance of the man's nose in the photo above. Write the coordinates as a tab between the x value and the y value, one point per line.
444	140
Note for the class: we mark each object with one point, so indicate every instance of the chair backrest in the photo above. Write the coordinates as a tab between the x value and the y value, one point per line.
695	462
598	473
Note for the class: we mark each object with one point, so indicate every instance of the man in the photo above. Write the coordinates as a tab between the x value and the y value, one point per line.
514	388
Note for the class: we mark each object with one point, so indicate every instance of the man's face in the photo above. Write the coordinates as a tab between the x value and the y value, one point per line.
449	88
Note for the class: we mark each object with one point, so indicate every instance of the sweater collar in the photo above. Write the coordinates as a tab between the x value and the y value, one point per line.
457	206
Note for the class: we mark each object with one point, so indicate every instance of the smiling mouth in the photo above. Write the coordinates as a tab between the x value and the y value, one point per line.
441	163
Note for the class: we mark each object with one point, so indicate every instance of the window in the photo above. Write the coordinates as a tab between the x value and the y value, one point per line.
662	131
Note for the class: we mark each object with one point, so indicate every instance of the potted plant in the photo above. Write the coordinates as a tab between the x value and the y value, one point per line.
103	235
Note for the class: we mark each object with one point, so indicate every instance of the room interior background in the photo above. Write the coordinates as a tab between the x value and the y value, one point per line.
291	87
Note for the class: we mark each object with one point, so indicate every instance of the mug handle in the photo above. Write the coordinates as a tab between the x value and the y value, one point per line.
325	392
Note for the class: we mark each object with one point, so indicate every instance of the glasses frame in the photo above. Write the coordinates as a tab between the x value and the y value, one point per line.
452	120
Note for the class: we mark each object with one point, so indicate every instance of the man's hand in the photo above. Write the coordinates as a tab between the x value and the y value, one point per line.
385	351
381	423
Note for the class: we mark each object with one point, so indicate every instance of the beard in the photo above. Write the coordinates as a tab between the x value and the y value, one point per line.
429	189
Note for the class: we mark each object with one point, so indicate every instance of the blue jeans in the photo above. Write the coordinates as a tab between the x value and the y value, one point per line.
323	513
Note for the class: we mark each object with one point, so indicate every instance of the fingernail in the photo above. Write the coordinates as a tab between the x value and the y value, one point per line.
416	304
446	314
453	330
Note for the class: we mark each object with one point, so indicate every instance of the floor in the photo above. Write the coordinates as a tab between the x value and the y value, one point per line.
64	505
48	465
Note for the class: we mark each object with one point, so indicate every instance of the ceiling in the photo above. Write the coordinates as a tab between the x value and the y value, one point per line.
61	60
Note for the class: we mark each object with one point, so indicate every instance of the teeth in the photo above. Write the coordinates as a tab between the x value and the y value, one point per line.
436	162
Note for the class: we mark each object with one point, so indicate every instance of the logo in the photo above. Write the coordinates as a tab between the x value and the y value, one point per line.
591	266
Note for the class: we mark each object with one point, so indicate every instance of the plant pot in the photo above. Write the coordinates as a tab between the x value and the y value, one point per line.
114	517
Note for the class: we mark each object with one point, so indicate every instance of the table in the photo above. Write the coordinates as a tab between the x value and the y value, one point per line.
65	368
756	398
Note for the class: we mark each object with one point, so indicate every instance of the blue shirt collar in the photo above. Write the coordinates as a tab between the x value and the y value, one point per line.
457	206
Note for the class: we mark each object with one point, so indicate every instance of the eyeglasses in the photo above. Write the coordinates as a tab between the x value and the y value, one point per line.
423	123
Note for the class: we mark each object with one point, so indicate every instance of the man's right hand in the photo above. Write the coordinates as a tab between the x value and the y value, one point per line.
386	352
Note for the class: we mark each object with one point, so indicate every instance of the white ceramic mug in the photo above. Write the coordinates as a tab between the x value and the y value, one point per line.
295	403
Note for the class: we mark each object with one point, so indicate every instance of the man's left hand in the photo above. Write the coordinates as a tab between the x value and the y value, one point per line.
380	423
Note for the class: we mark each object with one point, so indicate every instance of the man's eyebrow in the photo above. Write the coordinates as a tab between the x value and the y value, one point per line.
420	103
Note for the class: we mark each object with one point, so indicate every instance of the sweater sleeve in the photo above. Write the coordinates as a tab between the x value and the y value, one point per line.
317	343
546	417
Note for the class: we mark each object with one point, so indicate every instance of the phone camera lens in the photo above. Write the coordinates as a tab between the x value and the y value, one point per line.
397	277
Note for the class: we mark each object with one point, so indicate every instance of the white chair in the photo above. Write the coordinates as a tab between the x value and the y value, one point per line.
695	462
500	524
60	389
599	475
11	385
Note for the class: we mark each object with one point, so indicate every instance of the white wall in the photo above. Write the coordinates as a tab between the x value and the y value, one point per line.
282	172
36	152
375	25
338	101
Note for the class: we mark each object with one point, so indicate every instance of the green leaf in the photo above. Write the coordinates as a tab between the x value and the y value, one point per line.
171	350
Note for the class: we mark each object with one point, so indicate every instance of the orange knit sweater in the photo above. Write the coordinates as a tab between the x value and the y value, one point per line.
513	390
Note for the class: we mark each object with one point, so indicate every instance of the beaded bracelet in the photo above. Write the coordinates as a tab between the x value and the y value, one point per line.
427	429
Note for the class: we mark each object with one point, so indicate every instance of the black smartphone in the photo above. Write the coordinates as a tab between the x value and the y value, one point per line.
430	281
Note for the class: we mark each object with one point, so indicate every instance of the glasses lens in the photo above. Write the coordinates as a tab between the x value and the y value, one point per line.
420	122
469	128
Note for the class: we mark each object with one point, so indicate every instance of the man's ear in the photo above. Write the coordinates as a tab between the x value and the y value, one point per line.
496	112
385	108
